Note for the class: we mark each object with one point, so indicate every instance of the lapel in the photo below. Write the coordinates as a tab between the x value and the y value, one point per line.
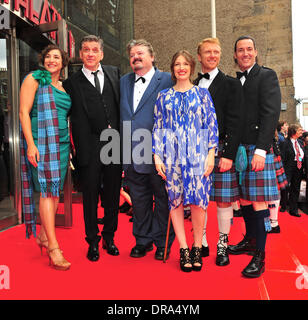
216	83
150	89
108	74
81	77
130	91
253	72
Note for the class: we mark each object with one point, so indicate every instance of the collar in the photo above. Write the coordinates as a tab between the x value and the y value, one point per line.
248	70
148	76
88	72
212	73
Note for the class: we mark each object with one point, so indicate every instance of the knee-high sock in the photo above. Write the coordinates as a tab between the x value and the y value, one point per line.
249	215
261	232
204	240
224	216
274	208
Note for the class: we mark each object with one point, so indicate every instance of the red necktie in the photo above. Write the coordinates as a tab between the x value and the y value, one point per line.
298	160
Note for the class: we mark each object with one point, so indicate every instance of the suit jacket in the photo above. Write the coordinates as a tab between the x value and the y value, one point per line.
227	96
262	103
84	117
288	155
142	118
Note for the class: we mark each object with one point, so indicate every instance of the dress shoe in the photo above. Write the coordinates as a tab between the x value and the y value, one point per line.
256	266
294	214
93	253
110	247
100	220
222	258
283	209
275	230
205	251
140	250
160	251
246	246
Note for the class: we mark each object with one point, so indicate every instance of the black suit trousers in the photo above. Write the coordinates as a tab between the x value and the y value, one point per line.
294	176
150	220
93	177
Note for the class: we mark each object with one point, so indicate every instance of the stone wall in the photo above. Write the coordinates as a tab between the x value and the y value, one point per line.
180	24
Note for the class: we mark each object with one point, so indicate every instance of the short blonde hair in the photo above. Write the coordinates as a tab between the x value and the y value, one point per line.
208	40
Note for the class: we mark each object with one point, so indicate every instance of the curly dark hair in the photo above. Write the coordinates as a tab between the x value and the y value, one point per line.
46	50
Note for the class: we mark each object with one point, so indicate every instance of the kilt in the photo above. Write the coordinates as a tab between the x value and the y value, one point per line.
282	181
261	185
225	187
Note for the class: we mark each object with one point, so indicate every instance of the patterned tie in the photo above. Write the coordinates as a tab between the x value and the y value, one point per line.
96	81
298	160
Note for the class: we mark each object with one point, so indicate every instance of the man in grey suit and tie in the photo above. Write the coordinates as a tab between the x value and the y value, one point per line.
139	91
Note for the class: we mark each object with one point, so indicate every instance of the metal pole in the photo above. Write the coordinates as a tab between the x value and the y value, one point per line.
213	15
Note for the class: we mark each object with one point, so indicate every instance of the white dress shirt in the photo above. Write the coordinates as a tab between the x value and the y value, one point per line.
205	83
140	87
90	76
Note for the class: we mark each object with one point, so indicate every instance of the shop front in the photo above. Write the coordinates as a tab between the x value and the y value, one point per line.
26	27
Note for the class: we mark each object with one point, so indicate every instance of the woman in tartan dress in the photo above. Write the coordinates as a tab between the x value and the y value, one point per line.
44	106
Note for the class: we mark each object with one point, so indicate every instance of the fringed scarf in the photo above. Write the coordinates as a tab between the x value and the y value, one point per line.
49	150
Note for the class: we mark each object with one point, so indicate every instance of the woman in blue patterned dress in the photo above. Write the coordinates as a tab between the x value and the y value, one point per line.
185	139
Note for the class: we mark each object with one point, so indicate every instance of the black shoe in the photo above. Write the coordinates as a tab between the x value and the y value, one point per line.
124	207
93	252
205	251
275	230
195	256
237	213
139	251
294	214
283	209
256	266
100	220
246	246
131	219
222	258
160	251
110	247
185	259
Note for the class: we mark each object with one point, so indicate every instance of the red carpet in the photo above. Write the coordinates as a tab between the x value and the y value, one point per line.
125	278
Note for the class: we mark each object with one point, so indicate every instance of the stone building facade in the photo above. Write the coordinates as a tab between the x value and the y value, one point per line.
180	24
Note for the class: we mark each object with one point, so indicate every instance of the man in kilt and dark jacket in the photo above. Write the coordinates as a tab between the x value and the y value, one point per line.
259	185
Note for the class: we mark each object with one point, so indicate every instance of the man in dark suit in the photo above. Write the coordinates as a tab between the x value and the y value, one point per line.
94	91
262	104
139	91
293	153
227	95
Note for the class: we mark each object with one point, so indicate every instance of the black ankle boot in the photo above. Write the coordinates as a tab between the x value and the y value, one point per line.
256	266
246	246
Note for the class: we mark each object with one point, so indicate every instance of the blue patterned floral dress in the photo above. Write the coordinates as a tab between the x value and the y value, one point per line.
185	129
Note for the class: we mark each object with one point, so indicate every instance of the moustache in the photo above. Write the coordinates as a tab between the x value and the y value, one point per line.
137	59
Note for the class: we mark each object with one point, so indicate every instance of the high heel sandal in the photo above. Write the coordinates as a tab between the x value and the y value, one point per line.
185	259
42	244
60	264
195	256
